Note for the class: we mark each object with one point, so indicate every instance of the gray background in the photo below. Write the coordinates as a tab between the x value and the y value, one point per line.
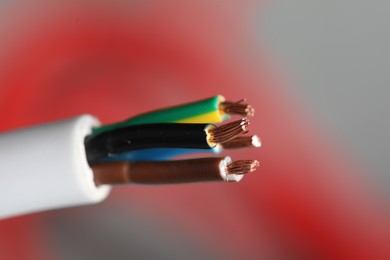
337	53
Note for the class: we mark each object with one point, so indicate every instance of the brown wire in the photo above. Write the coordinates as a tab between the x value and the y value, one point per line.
168	172
160	172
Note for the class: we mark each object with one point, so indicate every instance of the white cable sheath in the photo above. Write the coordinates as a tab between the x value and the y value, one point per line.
45	167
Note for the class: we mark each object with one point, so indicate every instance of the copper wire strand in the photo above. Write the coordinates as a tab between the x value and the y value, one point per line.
242	166
237	108
242	142
229	131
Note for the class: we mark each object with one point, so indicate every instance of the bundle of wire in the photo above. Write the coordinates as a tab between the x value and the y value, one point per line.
142	149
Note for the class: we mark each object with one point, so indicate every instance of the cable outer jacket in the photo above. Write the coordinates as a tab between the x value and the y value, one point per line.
45	167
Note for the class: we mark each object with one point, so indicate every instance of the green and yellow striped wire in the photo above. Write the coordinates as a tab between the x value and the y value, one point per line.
204	111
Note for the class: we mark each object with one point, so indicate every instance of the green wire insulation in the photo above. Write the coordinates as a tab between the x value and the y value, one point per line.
167	115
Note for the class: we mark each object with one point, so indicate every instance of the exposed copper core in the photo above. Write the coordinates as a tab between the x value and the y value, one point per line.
242	166
237	108
229	131
164	172
242	142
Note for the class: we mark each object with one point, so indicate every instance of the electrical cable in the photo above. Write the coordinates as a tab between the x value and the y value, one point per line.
197	136
172	172
211	110
160	154
45	167
75	161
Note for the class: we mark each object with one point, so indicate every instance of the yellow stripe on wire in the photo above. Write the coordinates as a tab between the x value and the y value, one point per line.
211	117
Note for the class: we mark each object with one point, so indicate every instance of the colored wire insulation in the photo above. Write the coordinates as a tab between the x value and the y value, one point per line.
211	110
157	154
172	172
160	154
197	136
204	111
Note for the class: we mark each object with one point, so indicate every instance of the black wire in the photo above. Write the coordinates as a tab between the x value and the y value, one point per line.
146	136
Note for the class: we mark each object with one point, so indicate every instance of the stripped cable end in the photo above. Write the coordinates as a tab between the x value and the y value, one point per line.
237	108
242	142
242	167
229	131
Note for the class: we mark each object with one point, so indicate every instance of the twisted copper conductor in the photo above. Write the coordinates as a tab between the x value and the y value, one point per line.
229	131
237	108
242	142
242	166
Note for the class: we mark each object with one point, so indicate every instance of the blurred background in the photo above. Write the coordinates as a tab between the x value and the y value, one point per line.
316	72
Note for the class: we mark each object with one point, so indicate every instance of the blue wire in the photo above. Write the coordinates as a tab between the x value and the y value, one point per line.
156	154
